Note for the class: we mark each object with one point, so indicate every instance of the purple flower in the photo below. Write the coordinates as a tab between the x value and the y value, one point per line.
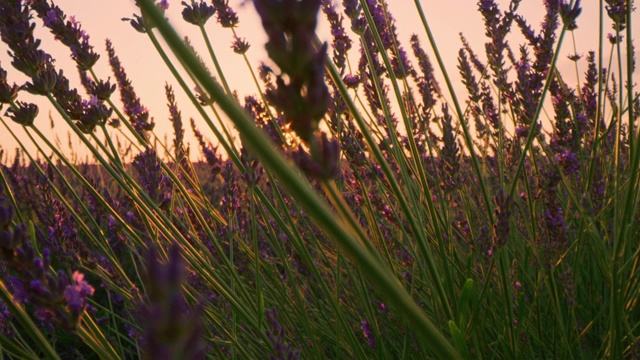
354	11
367	333
226	16
522	131
8	93
450	153
95	113
341	41
589	90
16	30
180	152
6	327
152	178
43	81
209	152
276	333
327	166
62	234
101	89
351	81
202	97
69	32
52	297
496	29
76	294
568	161
138	115
614	39
240	45
305	98
617	11
23	113
171	329
570	14
554	240
503	213
197	13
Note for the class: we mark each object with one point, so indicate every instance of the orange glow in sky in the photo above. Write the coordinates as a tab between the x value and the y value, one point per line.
102	20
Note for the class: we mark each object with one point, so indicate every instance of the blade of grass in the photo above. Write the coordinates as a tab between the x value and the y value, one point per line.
300	190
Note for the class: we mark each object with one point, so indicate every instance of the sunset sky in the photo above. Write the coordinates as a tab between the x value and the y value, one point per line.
101	20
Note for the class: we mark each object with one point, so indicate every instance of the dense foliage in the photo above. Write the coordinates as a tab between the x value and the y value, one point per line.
350	212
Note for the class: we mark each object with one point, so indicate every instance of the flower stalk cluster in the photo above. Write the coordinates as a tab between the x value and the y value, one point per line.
399	222
197	13
172	331
56	299
16	30
282	350
304	98
69	32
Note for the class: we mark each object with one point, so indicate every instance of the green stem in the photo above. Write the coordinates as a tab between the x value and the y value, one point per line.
259	143
215	61
465	128
29	326
396	189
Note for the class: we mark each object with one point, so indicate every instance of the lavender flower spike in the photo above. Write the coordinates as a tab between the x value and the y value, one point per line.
69	32
304	98
197	13
290	26
226	16
282	350
172	331
76	294
53	298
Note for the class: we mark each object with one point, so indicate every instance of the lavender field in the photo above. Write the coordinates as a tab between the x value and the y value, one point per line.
356	204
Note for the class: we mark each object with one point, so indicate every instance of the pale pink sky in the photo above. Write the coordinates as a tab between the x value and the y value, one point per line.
101	19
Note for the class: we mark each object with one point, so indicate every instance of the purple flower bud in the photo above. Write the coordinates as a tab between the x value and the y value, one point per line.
327	166
8	93
77	293
69	32
341	41
197	13
226	16
19	291
137	23
240	45
367	333
503	214
139	116
568	161
351	81
38	289
23	113
172	330
614	39
522	131
617	11
304	98
6	214
101	89
277	336
570	14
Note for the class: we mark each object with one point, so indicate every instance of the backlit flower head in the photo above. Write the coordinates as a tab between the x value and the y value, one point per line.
69	32
240	45
8	93
197	13
226	16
